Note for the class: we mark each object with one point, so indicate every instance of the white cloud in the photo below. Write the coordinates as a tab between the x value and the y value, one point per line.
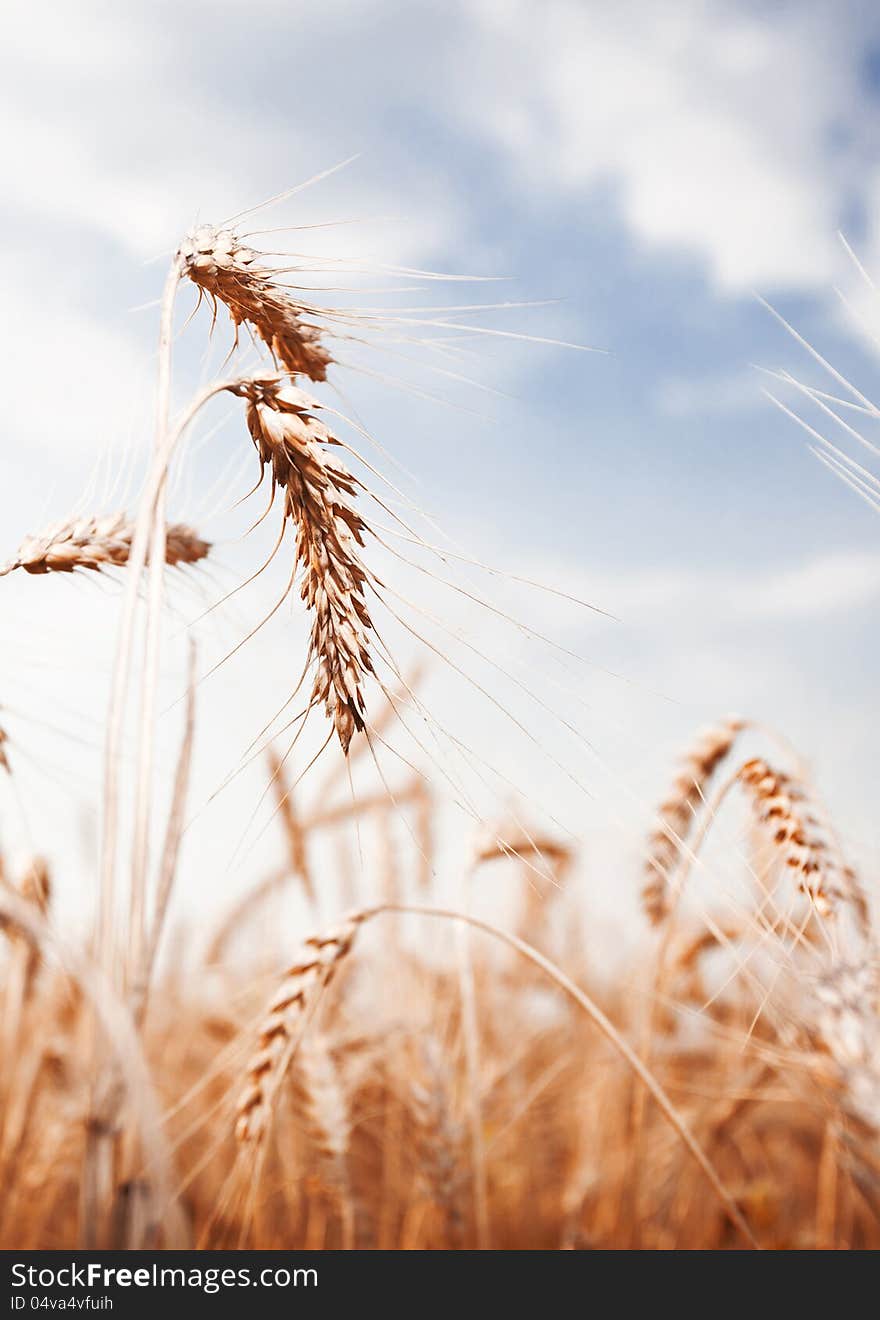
702	599
709	125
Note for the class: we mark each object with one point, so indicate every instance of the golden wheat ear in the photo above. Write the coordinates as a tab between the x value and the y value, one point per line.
676	813
229	272
97	543
849	1026
319	496
286	1018
788	811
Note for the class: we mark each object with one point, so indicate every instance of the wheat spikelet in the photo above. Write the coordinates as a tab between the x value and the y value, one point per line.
96	543
318	494
218	263
784	807
4	758
675	814
283	1024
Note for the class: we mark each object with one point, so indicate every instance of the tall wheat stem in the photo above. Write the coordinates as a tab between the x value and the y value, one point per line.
97	1169
152	641
140	551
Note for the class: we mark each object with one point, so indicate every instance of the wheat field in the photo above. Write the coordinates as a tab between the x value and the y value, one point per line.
410	1074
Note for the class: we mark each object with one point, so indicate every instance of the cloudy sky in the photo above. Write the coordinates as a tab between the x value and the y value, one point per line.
649	171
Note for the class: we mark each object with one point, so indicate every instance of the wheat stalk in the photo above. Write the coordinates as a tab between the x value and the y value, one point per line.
295	832
229	272
34	888
318	492
97	543
283	1024
676	813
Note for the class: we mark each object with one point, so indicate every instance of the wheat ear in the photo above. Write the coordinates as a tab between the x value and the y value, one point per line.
285	1020
849	1025
229	272
439	1139
676	813
318	499
784	806
97	543
328	1120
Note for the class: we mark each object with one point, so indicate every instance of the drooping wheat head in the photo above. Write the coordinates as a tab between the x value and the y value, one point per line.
318	500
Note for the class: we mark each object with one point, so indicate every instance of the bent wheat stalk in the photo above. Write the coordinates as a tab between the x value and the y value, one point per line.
97	543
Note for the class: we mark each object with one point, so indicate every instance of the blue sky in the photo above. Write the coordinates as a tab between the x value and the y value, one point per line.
650	167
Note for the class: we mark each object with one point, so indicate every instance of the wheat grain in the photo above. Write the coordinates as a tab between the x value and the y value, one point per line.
97	543
676	813
226	270
318	492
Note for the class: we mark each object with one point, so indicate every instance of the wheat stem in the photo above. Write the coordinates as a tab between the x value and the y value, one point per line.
153	639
